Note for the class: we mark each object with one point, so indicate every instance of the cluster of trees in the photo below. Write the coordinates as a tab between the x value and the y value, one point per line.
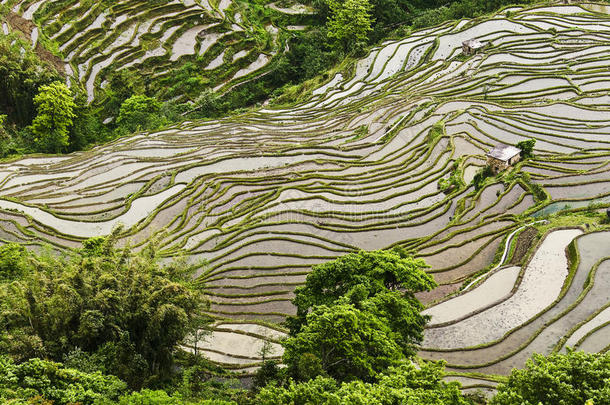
527	148
98	309
103	325
404	384
570	379
39	113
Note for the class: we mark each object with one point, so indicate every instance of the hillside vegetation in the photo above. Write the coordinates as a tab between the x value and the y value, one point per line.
184	58
351	229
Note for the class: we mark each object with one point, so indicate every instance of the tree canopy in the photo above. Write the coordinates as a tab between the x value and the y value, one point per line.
349	343
405	384
357	316
568	379
361	275
55	113
37	381
527	148
22	74
120	310
139	112
349	21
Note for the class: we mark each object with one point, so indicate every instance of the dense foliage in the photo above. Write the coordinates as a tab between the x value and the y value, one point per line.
349	21
39	113
45	382
360	276
55	113
140	112
357	316
40	381
115	320
568	379
22	73
98	309
405	384
348	343
527	148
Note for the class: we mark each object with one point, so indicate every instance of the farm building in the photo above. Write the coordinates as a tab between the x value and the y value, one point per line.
502	157
471	46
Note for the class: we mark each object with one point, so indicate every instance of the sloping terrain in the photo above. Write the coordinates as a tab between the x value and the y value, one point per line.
264	195
154	39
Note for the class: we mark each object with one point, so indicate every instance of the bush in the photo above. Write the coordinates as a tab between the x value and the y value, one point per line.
13	262
527	148
140	113
480	176
406	384
570	379
38	381
268	372
454	181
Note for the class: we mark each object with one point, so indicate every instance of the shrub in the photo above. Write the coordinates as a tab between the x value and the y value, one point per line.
39	381
527	148
139	113
570	379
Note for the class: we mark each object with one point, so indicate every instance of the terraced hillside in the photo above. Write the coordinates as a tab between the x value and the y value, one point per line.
156	40
264	195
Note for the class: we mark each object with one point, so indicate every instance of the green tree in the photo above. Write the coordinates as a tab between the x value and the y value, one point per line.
196	381
139	113
568	379
527	148
38	381
349	21
55	106
405	384
350	343
120	307
267	373
401	314
22	73
88	128
13	262
365	274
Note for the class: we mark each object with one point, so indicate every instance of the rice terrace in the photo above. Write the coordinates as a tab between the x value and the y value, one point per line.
416	144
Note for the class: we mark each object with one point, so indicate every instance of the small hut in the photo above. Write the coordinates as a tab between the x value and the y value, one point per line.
501	157
472	46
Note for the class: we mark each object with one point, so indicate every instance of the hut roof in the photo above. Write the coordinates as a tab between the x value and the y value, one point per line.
473	44
503	152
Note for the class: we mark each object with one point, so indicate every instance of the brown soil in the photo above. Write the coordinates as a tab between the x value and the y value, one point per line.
19	23
26	27
430	297
525	240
